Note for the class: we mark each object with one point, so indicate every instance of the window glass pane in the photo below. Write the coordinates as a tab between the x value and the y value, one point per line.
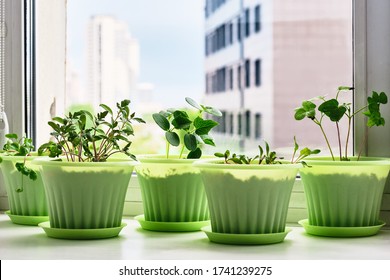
297	50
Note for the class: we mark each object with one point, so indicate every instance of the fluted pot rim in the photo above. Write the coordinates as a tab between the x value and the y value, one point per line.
161	158
364	161
220	164
31	157
111	162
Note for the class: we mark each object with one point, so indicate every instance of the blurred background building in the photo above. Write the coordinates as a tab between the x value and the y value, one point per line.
262	58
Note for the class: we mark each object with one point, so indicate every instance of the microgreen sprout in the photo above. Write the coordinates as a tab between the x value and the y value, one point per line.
23	147
335	111
266	156
196	130
109	134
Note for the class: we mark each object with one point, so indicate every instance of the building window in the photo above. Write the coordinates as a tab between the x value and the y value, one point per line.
239	120
247	73
248	124
239	29
231	33
239	76
223	122
231	123
258	72
247	23
206	45
207	83
231	78
257	19
258	126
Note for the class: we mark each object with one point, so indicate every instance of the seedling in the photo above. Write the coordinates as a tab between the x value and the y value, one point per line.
109	134
267	156
196	130
335	112
23	147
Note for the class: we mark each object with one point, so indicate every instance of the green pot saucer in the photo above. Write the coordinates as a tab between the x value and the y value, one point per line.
98	233
340	231
171	226
245	239
26	220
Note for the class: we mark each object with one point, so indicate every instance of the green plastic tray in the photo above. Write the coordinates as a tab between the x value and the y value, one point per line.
26	220
171	226
340	231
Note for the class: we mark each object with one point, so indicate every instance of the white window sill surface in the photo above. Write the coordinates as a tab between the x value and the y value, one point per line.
27	242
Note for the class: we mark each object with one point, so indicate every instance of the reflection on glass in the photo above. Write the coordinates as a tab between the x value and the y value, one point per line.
254	60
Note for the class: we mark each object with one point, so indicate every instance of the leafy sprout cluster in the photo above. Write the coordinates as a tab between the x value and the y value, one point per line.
177	123
266	156
334	111
23	147
109	134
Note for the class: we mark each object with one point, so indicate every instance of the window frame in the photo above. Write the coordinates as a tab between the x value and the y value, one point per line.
369	70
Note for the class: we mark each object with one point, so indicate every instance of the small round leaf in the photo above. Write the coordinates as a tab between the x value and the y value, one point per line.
190	142
172	138
161	121
193	103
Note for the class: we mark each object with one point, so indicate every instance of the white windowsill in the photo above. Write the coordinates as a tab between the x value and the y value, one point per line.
26	242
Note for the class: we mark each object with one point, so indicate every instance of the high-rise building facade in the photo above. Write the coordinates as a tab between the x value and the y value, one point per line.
262	58
113	61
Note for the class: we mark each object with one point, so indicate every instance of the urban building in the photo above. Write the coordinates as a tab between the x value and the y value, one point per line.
113	61
263	58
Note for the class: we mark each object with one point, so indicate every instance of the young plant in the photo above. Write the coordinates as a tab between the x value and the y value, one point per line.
109	134
267	157
335	111
195	130
23	147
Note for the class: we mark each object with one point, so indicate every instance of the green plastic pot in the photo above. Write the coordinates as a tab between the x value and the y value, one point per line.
32	200
247	199
344	193
86	195
172	190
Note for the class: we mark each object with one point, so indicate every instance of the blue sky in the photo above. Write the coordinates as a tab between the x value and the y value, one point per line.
170	34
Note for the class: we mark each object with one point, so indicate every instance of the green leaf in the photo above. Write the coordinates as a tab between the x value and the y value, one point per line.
193	103
208	140
11	136
190	142
139	120
203	127
212	111
161	121
315	152
219	155
181	120
345	88
332	109
383	98
125	103
55	126
197	153
296	146
172	138
308	105
106	108
33	175
87	113
300	114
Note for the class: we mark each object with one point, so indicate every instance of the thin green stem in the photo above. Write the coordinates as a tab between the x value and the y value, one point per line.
327	141
293	156
337	95
358	111
348	134
182	150
339	138
167	148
